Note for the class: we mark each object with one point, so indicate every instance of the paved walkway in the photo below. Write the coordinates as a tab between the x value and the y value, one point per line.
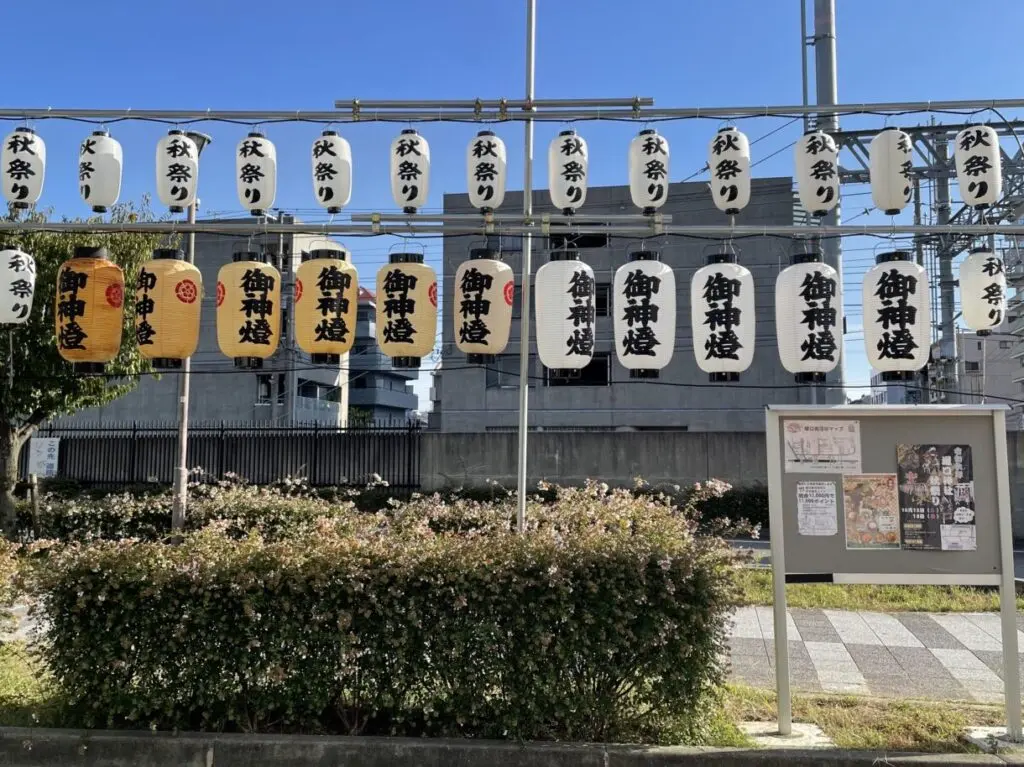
907	655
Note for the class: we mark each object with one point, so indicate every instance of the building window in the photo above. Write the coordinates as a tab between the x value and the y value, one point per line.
359	383
282	387
308	389
1011	319
1004	344
603	299
362	348
979	346
364	314
263	381
972	367
504	372
578	241
597	373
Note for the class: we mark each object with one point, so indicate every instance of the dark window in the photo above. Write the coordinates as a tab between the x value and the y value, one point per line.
979	346
263	389
580	241
1004	344
602	299
364	314
597	373
284	323
504	372
971	367
282	387
307	388
359	383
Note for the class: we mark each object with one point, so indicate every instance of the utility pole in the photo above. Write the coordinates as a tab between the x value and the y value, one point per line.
947	284
180	502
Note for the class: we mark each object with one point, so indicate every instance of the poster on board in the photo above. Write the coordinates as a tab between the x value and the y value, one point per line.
871	511
817	512
822	447
936	490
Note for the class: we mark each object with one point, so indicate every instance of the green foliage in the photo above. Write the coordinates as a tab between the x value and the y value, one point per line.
605	621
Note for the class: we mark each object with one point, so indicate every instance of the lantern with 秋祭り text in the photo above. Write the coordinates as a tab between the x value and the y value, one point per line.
891	162
406	309
410	170
168	301
979	166
648	170
983	290
99	171
248	309
729	165
486	171
326	295
568	166
22	168
332	171
256	173
17	285
89	309
177	170
817	172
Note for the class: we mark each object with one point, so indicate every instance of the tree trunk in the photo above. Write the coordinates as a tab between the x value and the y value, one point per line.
10	450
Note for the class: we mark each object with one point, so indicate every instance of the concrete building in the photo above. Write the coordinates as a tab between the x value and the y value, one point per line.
478	399
379	393
287	390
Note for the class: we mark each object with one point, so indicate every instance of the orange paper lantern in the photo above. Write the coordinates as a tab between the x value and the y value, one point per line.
168	299
406	309
89	309
326	290
248	309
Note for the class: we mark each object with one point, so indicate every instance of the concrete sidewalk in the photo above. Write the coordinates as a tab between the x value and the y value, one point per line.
951	656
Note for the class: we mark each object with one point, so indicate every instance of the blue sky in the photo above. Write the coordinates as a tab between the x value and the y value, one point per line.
305	54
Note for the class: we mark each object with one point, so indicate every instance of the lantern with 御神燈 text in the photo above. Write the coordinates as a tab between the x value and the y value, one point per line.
568	165
89	309
177	170
648	170
722	315
168	301
410	170
248	309
983	290
17	285
644	302
897	316
326	294
484	291
808	313
565	313
817	172
486	171
22	168
729	165
406	309
256	173
332	171
99	171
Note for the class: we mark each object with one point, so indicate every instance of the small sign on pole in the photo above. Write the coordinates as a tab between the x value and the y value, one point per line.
42	456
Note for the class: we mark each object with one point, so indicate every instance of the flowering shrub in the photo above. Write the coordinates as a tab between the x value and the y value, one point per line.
605	620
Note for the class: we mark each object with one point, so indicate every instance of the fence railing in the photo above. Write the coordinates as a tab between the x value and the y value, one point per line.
322	455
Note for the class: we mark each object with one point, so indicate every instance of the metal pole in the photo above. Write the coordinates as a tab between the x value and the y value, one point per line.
803	56
947	294
1007	585
634	102
775	513
180	501
524	307
918	241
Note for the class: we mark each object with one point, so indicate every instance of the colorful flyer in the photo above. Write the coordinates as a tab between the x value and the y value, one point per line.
936	489
871	511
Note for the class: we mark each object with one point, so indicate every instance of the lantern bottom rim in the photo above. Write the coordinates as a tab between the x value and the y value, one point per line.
88	368
99	208
20	205
334	210
644	373
252	363
167	363
650	210
409	211
405	362
257	212
723	377
325	359
480	359
732	211
175	209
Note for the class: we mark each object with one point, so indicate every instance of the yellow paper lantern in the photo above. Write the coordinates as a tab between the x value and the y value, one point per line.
484	288
406	309
248	309
326	290
168	299
89	309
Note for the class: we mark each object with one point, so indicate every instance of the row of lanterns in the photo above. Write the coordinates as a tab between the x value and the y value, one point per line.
978	167
808	309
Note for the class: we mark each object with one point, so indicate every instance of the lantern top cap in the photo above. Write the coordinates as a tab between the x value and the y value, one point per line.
723	257
168	253
405	258
9	246
809	131
569	132
645	255
24	129
478	253
322	253
728	129
175	132
982	249
329	133
814	257
90	251
101	132
485	133
255	134
893	256
565	255
647	132
248	255
408	131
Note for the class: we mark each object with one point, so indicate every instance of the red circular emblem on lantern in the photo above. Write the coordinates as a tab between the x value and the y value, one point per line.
509	291
115	295
186	291
432	293
220	292
298	290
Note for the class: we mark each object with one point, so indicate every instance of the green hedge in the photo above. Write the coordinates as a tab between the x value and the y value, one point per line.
605	621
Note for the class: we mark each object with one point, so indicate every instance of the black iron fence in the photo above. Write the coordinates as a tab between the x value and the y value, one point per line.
109	455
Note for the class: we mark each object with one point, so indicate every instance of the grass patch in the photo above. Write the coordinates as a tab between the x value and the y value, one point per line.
756	587
874	724
27	694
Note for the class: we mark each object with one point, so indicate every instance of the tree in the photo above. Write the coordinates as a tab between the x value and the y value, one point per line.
36	384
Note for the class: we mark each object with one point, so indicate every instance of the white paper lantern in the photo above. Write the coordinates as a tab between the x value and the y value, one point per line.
897	315
410	170
486	171
817	172
722	315
256	173
177	170
565	312
891	163
979	166
99	171
332	171
484	291
808	317
568	165
645	314
983	290
17	285
23	167
648	170
729	165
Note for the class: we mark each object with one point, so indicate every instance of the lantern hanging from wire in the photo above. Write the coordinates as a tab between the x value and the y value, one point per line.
332	171
729	165
897	316
486	171
817	172
723	319
565	313
89	309
406	309
808	312
648	170
99	171
983	290
177	170
568	166
326	298
168	302
248	309
17	285
23	167
410	170
256	173
482	308
890	166
979	166
644	301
